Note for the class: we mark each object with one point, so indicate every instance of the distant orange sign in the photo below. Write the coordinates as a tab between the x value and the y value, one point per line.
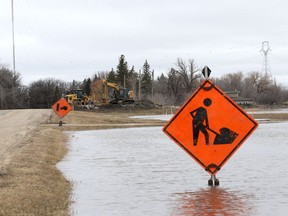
210	127
61	108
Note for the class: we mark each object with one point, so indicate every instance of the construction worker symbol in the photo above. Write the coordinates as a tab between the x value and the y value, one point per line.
200	123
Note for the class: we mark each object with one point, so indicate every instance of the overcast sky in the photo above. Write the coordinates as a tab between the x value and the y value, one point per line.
73	39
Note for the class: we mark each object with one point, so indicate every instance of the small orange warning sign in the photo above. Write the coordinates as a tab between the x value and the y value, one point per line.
210	127
61	108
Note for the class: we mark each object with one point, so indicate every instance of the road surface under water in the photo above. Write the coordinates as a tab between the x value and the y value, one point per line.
139	171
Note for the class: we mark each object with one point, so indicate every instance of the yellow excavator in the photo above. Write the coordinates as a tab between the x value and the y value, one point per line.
119	95
111	93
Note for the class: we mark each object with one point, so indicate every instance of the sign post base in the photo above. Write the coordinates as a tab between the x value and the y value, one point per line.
213	181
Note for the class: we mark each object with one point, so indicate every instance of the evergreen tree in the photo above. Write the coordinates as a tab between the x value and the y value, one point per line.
161	86
87	86
95	77
132	72
146	80
112	76
122	71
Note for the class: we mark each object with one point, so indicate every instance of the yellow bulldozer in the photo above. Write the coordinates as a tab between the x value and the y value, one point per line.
76	98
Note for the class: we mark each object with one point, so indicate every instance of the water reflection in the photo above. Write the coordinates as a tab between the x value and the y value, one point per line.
137	171
210	202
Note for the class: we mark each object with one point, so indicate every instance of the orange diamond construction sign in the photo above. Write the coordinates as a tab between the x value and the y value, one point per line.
210	127
61	108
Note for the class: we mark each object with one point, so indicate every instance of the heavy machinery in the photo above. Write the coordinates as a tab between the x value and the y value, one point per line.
77	98
110	93
119	95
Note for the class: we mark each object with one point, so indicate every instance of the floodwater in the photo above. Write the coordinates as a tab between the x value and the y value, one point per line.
140	171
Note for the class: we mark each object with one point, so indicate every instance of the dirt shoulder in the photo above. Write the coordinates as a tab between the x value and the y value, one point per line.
30	183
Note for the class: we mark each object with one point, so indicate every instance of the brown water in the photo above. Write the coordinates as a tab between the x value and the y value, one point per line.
139	171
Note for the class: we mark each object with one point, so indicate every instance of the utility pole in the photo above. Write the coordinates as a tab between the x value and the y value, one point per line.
1	98
139	84
124	81
13	39
152	86
265	67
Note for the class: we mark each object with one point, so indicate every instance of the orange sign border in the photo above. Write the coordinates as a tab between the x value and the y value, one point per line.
202	87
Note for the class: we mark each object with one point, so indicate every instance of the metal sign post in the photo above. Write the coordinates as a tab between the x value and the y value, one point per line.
61	108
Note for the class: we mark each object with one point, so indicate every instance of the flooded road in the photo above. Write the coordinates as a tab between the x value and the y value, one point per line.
139	171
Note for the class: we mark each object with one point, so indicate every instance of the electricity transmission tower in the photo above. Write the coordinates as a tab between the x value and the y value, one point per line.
265	67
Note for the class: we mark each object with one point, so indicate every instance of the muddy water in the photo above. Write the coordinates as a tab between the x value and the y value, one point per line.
139	171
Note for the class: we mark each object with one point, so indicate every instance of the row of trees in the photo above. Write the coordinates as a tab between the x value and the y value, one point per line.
12	93
172	88
262	88
140	82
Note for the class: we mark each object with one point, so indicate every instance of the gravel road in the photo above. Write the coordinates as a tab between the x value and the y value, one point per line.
15	127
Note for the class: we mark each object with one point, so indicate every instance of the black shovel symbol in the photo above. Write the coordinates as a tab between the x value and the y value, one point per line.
61	108
64	108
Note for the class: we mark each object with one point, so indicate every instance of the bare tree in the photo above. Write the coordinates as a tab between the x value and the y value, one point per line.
189	72
10	89
45	92
161	95
260	81
257	86
175	87
231	82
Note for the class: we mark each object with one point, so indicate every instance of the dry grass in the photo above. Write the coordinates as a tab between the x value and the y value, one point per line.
33	185
272	116
87	120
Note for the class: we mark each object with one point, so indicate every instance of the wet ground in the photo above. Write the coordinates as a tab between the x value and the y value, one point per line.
139	171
